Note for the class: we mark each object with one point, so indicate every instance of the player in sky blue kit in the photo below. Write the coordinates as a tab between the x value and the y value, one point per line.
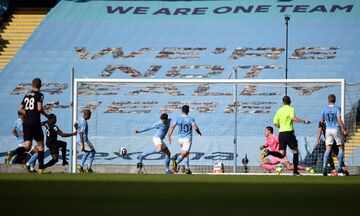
335	130
84	142
18	130
185	124
162	128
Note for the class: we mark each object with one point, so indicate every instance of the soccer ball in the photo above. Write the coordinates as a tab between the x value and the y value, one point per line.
122	151
218	167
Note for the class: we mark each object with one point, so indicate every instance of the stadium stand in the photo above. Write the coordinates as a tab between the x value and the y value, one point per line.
124	39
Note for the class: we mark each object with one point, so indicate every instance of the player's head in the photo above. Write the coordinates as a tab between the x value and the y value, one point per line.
52	118
269	130
164	118
286	100
36	83
185	109
21	115
87	114
332	98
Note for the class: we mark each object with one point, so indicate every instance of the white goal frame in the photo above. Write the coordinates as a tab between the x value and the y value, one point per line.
235	82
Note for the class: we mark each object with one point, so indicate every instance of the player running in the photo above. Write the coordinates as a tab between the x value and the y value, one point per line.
272	142
283	119
186	124
162	128
335	131
32	106
83	140
52	131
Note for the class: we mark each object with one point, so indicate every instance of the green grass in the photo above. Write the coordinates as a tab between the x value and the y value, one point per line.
120	194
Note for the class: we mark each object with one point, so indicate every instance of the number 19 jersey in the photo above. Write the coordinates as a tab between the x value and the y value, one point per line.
185	124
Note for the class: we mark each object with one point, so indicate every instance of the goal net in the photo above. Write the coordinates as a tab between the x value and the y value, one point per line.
232	115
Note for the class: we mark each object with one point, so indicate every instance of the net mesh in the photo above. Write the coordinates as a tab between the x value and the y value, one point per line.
118	109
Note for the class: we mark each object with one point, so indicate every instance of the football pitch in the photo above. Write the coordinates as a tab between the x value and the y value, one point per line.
131	194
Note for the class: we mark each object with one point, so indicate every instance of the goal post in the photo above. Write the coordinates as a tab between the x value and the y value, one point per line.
232	113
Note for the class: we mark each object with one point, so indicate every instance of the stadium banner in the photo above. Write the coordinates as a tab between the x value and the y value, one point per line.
185	40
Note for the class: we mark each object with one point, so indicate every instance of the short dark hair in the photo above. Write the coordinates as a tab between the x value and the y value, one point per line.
52	117
185	109
87	112
36	83
286	100
164	116
271	129
332	98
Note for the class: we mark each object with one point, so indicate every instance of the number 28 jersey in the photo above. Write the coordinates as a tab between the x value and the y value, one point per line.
185	124
32	115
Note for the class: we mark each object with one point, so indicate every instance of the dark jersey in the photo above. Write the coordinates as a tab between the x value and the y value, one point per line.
51	133
32	115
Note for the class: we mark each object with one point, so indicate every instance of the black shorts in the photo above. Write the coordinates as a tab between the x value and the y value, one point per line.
287	138
33	132
54	147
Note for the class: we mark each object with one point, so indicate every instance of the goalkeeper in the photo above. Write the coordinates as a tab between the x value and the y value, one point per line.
272	142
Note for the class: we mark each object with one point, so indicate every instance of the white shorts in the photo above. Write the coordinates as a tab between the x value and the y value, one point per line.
157	141
185	144
88	146
334	134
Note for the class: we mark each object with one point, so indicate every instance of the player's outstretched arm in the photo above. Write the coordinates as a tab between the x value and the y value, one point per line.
171	130
146	129
296	119
197	129
62	134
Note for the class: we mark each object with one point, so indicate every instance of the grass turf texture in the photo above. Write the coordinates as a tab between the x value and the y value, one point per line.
129	194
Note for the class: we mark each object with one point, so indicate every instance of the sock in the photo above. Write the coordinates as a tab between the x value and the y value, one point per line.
296	162
144	154
331	162
325	159
63	152
268	166
301	168
41	159
187	161
276	154
179	159
83	159
167	162
91	159
50	163
174	157
32	160
340	159
19	151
